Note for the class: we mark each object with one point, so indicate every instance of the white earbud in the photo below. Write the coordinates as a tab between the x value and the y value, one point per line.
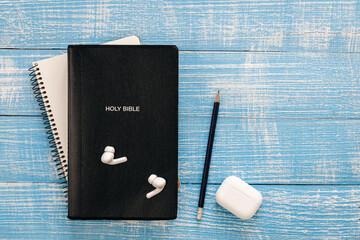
158	182
108	157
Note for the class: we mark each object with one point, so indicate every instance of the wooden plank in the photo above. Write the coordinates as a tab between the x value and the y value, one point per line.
38	211
191	24
276	151
253	85
25	151
270	85
16	93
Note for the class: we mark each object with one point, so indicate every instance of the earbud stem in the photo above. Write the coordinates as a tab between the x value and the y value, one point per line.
118	160
154	192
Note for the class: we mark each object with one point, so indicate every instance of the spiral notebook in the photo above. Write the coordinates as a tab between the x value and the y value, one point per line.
49	78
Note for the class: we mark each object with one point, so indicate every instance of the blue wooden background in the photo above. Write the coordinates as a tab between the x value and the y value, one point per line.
289	120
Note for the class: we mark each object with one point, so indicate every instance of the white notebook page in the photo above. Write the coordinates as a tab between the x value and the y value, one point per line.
54	77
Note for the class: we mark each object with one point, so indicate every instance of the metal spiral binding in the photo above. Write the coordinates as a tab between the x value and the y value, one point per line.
50	125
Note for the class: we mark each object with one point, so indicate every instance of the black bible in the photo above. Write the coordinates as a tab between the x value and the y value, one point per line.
125	97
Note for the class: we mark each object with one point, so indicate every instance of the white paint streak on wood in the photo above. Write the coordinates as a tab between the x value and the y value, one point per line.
270	85
279	151
289	211
7	91
200	25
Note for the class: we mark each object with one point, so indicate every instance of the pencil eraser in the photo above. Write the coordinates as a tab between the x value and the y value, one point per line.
238	197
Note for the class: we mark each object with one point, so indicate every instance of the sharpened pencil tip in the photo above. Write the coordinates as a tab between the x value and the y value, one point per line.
217	99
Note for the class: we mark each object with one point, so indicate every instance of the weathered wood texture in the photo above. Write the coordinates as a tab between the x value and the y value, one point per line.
38	211
288	72
252	85
267	151
277	25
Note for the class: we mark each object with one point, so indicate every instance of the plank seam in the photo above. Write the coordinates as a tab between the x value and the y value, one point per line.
204	50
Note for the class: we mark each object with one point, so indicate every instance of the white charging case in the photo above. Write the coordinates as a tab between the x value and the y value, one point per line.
238	197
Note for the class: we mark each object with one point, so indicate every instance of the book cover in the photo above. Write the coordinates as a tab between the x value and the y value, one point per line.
125	97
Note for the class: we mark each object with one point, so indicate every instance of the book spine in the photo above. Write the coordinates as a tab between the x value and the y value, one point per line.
75	136
51	131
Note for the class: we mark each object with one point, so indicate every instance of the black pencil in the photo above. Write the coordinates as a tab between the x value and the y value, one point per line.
208	156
